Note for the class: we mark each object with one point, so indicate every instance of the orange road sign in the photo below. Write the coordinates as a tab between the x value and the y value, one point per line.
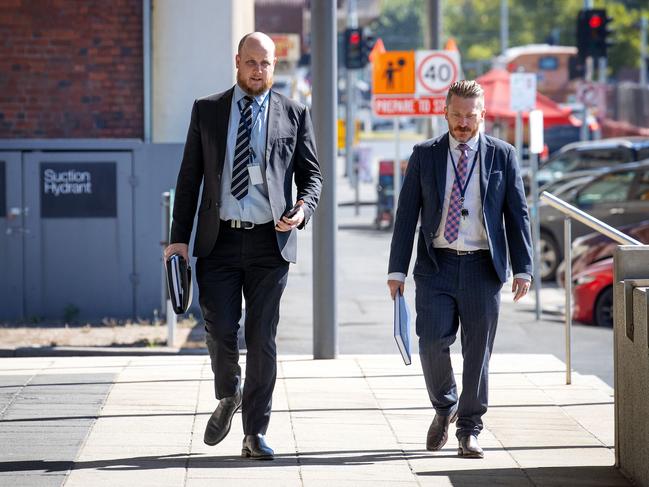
393	73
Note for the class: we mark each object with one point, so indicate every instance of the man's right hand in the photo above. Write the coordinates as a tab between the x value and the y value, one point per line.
177	248
394	285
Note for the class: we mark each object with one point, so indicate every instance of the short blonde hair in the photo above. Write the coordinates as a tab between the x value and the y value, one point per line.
466	89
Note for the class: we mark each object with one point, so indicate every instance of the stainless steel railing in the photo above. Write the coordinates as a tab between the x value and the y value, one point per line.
581	216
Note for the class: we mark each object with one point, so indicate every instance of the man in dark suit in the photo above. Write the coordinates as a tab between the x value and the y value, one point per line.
467	189
246	146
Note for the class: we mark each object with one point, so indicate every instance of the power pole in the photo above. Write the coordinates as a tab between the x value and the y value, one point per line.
433	41
504	25
643	51
352	23
325	75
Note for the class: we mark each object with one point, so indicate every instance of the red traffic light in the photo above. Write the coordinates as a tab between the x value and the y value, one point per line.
595	22
354	37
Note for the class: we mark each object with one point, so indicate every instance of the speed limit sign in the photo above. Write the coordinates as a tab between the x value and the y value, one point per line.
435	71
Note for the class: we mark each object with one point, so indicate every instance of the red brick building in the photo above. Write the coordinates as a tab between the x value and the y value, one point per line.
71	69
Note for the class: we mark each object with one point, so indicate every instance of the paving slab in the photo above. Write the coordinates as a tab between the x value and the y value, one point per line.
357	420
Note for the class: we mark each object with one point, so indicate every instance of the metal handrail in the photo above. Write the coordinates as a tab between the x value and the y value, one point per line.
572	212
588	220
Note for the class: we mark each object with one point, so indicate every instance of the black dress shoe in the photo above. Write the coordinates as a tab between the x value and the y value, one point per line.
255	447
469	447
438	431
219	423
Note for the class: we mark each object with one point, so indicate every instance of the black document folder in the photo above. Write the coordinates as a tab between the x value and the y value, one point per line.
179	282
402	327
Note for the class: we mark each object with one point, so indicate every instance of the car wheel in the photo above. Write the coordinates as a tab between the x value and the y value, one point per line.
550	256
603	313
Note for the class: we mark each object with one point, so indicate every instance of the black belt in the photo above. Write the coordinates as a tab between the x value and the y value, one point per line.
464	252
243	225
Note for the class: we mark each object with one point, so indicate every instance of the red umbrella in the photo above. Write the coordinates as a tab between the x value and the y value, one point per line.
496	88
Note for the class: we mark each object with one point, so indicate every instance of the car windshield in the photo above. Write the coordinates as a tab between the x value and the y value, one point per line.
611	188
563	162
588	159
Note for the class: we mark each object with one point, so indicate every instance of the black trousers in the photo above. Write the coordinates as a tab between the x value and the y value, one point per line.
248	262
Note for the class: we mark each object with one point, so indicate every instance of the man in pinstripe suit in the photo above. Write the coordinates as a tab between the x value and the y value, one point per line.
467	190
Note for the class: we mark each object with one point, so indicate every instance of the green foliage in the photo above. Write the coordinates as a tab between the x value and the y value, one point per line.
625	51
400	24
475	26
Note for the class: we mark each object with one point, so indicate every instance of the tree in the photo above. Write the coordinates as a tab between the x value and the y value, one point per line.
400	24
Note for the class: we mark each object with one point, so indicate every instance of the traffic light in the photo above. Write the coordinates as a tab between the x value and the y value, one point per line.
368	44
592	33
354	58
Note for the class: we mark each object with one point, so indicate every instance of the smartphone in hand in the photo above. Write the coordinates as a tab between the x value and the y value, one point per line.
293	211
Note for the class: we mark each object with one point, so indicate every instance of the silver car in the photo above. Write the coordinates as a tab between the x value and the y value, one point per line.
617	197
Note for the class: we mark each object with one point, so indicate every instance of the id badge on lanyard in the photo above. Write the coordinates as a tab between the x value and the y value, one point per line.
254	170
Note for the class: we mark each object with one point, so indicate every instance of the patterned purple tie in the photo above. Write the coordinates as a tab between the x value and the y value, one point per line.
452	226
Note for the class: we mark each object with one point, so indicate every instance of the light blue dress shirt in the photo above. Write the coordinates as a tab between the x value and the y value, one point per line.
255	206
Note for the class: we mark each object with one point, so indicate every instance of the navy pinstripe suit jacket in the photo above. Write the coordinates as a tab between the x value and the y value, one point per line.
503	204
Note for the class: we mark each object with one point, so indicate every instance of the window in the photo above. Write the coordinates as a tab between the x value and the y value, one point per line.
565	162
610	188
548	63
643	153
640	190
595	158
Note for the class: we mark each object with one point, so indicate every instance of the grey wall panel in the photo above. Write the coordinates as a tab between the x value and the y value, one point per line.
11	237
155	168
79	268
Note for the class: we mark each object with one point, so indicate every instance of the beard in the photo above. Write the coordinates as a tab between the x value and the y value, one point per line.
249	90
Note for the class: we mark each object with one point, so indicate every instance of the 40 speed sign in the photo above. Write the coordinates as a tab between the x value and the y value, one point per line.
435	71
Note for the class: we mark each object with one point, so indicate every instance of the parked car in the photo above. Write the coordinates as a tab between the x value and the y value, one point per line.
584	158
594	247
593	294
617	197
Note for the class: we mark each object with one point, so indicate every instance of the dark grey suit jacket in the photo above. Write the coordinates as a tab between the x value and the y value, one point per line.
503	204
290	153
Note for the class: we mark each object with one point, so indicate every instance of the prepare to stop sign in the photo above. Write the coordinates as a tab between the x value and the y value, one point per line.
412	83
436	71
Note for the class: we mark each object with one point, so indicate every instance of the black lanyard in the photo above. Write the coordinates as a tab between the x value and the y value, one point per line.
468	177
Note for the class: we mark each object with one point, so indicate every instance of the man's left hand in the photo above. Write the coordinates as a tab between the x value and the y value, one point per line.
287	224
520	288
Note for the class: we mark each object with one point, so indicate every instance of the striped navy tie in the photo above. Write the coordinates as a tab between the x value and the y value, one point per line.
239	185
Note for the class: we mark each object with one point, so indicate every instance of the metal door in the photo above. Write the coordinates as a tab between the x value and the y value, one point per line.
79	235
12	232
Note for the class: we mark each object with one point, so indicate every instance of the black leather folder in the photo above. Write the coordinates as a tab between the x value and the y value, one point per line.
179	282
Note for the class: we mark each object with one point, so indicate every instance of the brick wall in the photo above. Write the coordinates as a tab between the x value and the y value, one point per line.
71	68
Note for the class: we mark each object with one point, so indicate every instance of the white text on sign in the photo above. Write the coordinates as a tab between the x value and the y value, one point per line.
407	106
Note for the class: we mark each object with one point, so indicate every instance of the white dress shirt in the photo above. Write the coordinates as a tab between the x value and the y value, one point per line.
472	234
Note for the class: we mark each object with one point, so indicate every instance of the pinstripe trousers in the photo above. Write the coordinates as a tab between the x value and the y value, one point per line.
464	293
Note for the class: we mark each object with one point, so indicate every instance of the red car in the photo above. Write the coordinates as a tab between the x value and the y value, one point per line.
592	294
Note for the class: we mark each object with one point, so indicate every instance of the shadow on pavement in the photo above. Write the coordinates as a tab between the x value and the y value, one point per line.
569	475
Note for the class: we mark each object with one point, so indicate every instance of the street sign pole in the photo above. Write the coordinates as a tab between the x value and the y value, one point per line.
518	135
536	147
396	183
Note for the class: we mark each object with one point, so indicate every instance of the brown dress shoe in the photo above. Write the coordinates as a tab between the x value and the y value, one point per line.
255	447
438	431
218	426
469	447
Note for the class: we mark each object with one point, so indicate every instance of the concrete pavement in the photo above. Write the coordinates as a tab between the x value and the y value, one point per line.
357	420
